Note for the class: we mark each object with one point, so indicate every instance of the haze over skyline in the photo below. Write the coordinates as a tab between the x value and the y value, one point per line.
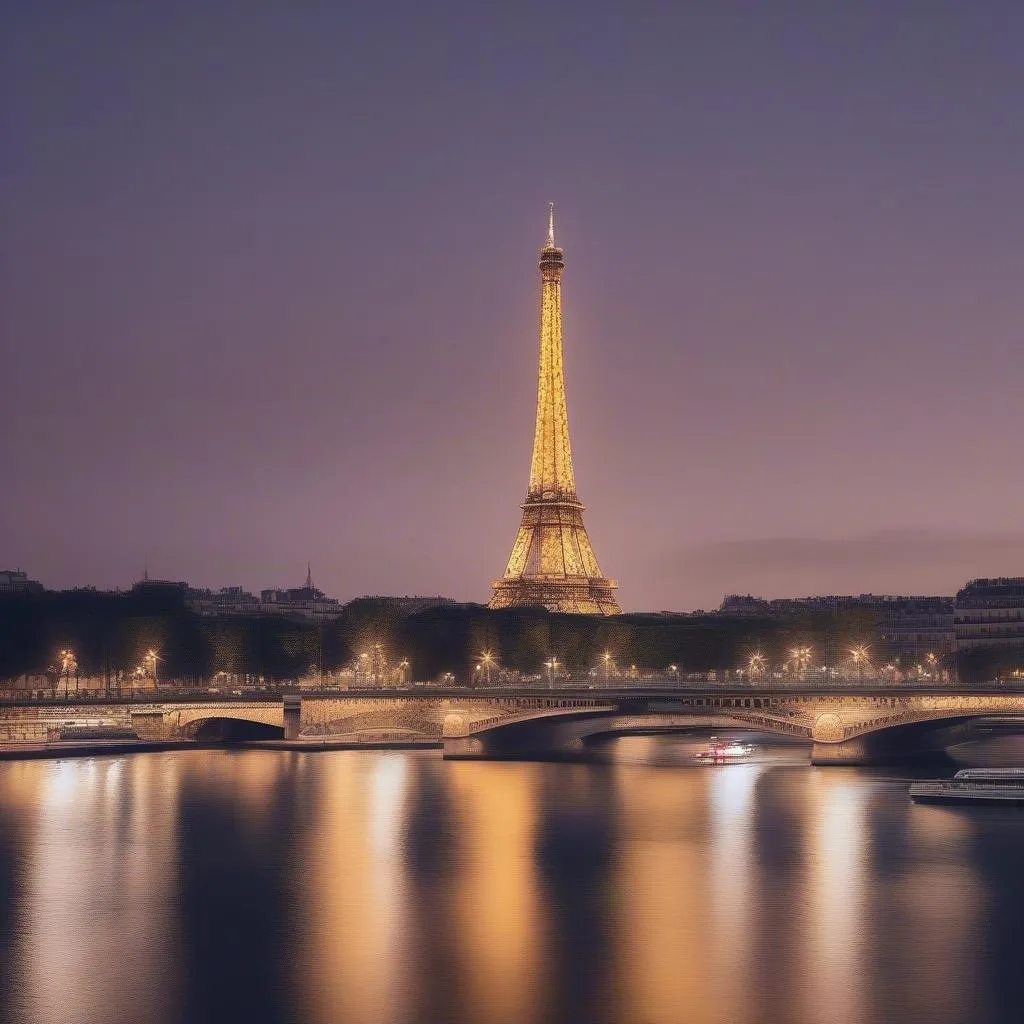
268	292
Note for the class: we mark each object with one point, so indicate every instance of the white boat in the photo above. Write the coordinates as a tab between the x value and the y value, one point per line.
725	753
973	785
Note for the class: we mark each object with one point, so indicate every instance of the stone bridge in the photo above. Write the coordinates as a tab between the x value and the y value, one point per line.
840	726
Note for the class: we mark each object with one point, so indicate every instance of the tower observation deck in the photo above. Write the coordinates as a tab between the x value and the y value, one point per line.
552	562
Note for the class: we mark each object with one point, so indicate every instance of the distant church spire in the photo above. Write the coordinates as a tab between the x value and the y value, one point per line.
309	577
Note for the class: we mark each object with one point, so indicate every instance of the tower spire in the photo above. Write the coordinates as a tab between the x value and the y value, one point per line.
551	225
309	577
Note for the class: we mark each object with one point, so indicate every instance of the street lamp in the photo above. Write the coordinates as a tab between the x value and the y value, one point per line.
755	666
68	664
487	660
606	657
860	659
552	664
801	659
150	661
674	669
404	667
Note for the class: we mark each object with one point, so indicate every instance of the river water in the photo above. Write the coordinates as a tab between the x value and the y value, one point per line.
392	886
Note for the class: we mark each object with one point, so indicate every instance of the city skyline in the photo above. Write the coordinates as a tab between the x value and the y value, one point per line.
272	306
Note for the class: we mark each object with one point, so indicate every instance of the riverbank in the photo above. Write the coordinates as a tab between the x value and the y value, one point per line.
95	748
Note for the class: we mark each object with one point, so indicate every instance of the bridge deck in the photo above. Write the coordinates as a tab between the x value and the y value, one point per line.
12	698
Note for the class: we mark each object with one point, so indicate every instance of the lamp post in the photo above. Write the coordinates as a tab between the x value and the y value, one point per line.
860	659
674	669
150	660
552	664
606	658
487	660
377	664
68	664
755	666
801	660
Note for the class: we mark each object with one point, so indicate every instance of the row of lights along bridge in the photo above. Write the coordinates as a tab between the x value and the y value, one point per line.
799	666
370	668
147	671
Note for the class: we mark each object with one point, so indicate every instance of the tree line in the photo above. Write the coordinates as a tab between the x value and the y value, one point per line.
110	634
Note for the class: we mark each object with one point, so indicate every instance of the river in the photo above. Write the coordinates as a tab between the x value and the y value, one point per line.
389	886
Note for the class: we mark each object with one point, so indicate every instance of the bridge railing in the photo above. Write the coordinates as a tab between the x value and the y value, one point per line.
142	695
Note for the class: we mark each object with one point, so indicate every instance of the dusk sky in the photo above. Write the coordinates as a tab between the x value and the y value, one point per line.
269	294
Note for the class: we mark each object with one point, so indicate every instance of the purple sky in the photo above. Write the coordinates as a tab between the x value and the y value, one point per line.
268	290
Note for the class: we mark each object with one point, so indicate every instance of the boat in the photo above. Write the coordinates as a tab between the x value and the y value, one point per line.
973	785
725	753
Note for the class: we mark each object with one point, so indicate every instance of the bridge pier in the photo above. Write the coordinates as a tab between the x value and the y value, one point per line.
848	752
292	716
463	748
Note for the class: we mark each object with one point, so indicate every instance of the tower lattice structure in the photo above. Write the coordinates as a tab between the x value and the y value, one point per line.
552	561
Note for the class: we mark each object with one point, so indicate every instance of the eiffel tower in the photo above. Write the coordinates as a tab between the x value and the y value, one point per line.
552	563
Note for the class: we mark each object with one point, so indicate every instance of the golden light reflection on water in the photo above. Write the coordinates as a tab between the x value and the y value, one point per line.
663	915
498	913
836	898
101	827
733	886
354	908
685	892
419	890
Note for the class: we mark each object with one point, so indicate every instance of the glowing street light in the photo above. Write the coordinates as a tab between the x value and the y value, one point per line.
674	669
859	654
801	659
606	658
68	664
150	661
552	664
756	666
486	661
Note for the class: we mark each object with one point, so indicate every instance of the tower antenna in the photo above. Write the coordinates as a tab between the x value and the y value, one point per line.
551	225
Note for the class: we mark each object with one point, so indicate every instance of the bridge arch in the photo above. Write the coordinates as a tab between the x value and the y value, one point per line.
226	721
563	730
231	728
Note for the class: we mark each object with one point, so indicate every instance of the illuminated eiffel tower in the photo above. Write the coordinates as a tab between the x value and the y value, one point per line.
552	563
